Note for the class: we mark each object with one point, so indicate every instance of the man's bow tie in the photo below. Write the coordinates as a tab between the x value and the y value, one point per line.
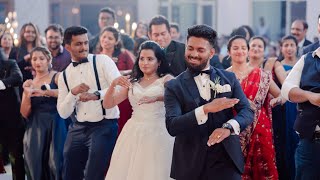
85	60
209	71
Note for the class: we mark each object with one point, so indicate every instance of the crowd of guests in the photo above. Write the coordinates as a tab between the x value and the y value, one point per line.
104	108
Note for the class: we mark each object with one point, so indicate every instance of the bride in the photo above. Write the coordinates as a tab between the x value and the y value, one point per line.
144	148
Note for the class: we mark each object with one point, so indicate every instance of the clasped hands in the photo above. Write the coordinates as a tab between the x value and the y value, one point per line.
219	104
84	96
31	91
277	101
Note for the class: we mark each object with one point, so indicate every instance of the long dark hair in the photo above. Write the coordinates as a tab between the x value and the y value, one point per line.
22	40
163	68
234	38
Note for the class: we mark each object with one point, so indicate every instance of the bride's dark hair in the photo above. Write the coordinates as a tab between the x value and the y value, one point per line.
163	68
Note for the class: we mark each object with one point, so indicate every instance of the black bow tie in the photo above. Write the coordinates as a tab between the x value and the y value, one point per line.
209	71
85	60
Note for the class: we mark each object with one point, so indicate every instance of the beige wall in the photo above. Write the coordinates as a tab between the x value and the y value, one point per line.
231	14
36	11
313	12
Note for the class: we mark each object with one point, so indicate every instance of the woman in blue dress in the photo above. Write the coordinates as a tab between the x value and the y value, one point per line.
289	46
45	130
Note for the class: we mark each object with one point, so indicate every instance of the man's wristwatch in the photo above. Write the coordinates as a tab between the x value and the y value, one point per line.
97	94
228	126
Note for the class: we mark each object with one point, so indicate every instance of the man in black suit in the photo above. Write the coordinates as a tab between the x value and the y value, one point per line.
159	31
200	105
299	30
11	124
315	45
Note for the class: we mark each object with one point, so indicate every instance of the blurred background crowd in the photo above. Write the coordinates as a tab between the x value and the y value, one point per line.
286	30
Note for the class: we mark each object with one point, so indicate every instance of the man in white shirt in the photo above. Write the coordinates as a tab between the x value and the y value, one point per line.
82	86
302	86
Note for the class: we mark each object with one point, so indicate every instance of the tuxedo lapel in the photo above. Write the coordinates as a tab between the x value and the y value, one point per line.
191	87
213	74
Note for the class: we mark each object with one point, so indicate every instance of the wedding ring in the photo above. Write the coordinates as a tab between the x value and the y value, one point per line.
218	137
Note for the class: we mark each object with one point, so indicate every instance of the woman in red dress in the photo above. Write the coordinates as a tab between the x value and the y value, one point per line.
256	139
110	43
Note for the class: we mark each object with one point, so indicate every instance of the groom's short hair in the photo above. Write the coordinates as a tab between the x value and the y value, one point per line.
203	31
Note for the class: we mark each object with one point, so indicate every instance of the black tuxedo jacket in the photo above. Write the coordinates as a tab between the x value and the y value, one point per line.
311	47
175	57
306	43
181	99
11	77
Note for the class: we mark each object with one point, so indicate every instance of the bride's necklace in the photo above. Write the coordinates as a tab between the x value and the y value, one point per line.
150	78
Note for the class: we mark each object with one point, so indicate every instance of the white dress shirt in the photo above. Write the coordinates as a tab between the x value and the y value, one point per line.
294	77
202	82
2	86
90	111
300	44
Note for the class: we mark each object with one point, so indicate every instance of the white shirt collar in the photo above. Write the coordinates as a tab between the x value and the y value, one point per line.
300	44
316	52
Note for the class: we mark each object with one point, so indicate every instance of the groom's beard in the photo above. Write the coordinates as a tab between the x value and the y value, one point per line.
196	68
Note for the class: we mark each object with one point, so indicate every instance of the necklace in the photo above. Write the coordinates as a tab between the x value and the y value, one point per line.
38	78
240	75
149	78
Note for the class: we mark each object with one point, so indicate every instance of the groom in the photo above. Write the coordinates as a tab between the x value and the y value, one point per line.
200	106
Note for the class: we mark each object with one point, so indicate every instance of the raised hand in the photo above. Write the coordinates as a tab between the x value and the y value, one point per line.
147	100
81	88
220	104
122	81
27	57
28	83
28	87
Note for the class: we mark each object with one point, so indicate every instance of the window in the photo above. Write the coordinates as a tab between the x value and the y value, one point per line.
189	12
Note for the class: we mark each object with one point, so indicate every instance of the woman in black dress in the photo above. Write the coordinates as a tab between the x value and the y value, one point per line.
45	130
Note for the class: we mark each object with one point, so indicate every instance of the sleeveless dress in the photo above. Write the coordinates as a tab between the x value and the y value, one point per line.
292	138
44	139
144	148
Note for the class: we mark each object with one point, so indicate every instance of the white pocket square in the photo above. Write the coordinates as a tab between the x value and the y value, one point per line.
223	89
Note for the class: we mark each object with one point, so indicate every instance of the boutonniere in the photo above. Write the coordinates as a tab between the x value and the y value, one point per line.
217	88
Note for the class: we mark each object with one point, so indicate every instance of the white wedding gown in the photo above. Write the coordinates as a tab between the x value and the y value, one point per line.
144	148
